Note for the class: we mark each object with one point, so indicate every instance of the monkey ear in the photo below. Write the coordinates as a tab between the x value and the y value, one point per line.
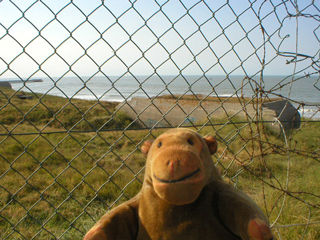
146	146
212	144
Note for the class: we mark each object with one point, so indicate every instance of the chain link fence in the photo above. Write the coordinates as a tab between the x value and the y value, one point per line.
84	83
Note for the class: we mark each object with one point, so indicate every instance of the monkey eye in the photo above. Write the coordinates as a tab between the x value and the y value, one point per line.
190	141
159	144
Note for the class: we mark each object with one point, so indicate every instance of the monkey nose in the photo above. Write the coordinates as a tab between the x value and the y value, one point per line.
173	162
173	166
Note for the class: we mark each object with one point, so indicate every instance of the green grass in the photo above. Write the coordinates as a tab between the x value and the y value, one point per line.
49	111
57	184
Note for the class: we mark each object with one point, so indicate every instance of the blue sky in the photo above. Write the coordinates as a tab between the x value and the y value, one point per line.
143	37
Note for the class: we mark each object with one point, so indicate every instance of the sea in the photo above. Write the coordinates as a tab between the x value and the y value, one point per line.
302	91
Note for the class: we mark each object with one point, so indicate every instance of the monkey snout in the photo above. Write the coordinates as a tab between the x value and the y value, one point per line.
173	162
173	166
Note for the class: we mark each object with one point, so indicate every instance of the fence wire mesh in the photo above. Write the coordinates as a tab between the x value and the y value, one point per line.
84	83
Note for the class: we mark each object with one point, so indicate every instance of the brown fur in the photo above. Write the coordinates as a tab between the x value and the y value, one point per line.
183	197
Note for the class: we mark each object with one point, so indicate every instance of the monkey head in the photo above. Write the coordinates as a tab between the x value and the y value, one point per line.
179	165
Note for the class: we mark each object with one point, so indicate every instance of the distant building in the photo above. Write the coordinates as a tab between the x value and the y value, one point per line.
284	112
7	83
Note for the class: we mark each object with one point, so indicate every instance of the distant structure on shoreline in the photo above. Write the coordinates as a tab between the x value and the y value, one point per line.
7	83
284	113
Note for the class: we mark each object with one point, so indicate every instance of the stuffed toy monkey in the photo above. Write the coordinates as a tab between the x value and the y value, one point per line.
183	197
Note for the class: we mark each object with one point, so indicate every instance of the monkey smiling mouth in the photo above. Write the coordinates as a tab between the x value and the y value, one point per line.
177	180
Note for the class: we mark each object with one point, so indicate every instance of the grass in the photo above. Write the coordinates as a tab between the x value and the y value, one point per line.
56	112
58	183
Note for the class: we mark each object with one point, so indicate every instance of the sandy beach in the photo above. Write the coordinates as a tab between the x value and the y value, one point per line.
168	111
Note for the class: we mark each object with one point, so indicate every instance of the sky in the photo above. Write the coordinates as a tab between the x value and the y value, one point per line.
52	38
